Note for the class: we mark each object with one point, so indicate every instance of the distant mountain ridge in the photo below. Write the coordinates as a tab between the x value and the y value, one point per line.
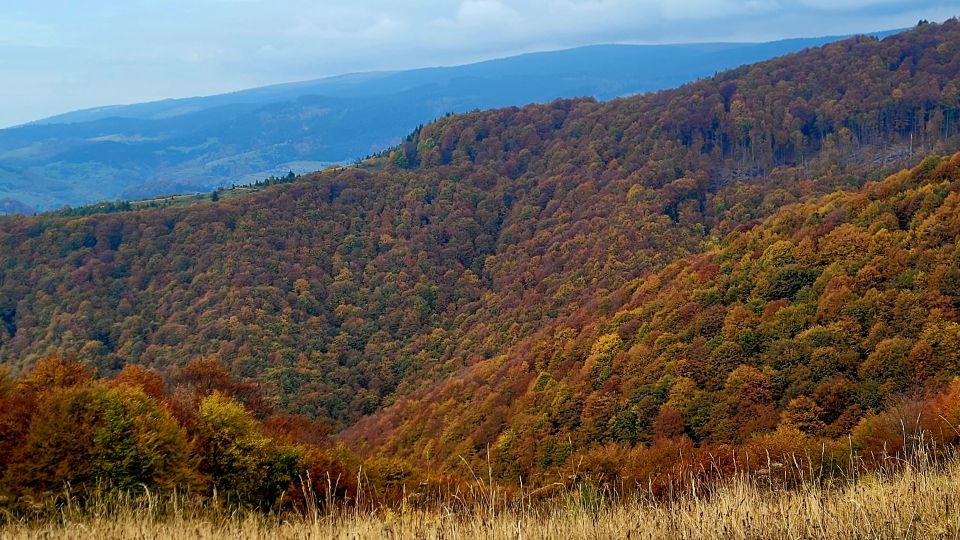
601	58
195	144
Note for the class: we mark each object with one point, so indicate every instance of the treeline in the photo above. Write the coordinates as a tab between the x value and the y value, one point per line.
65	433
273	180
67	437
852	102
914	432
107	207
110	207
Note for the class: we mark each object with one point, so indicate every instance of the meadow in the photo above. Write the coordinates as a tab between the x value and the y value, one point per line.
912	498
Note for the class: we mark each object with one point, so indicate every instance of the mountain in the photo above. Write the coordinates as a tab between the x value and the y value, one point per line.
196	144
708	263
824	312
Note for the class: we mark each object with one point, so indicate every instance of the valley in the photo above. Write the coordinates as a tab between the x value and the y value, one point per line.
572	315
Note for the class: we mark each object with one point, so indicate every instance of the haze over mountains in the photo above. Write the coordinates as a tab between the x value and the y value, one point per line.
196	144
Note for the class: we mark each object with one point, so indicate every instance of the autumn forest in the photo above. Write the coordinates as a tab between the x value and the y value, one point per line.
761	264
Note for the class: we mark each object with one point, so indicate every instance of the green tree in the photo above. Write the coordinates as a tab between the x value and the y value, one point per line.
239	461
90	434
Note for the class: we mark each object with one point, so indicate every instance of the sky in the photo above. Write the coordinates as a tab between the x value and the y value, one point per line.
62	55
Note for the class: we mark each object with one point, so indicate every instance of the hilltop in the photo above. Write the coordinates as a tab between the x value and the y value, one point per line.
196	144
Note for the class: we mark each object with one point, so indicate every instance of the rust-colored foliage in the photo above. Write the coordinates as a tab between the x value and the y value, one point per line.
55	372
148	381
711	357
297	430
61	426
351	286
536	284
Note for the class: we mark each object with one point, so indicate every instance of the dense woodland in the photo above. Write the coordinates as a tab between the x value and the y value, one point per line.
825	313
69	435
700	266
72	438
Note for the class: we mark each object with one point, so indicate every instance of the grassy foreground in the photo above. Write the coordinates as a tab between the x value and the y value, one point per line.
917	502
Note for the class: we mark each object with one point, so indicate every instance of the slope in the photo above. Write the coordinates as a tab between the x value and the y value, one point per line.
349	288
194	144
824	312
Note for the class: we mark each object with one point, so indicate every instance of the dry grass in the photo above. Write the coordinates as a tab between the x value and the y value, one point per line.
917	502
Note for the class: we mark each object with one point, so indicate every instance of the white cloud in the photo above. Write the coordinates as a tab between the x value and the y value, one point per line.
144	49
485	12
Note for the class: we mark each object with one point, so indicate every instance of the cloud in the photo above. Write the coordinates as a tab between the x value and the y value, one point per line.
97	52
485	12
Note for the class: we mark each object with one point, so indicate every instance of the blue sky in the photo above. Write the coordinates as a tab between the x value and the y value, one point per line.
62	55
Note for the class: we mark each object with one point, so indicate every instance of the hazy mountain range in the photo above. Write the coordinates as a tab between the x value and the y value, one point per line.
195	144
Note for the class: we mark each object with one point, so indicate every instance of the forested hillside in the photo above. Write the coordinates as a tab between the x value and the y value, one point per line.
197	144
826	312
522	251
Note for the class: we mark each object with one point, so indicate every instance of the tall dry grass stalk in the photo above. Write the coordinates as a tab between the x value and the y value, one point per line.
913	498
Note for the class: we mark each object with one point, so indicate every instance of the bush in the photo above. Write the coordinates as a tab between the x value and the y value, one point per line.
243	464
93	435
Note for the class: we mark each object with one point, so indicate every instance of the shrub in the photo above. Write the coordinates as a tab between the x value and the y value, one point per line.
92	434
242	463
